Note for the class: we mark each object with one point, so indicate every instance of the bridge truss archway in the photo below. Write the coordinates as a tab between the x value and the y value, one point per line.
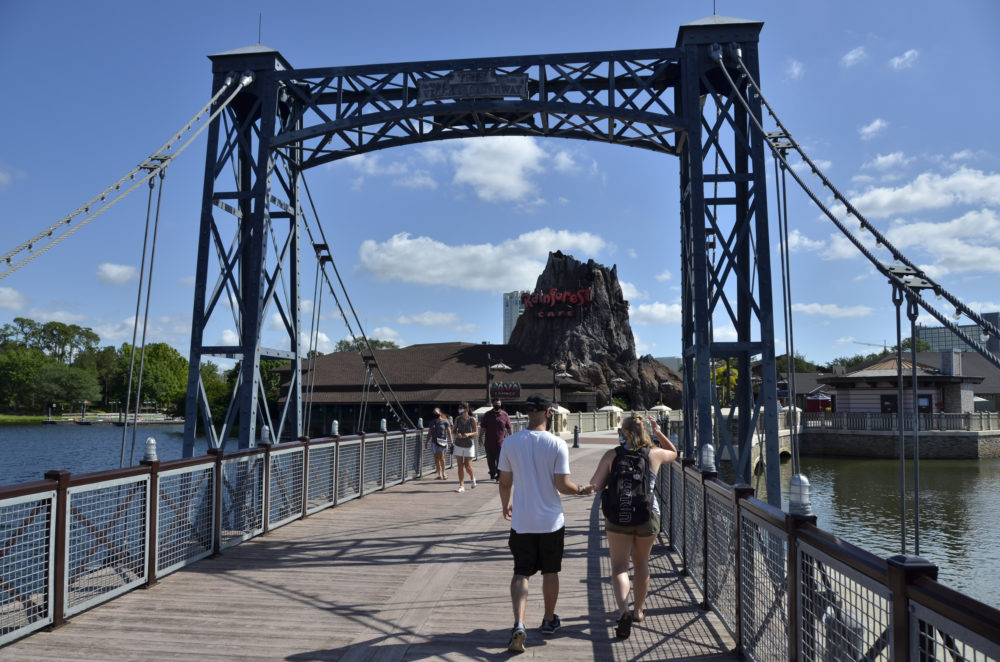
671	100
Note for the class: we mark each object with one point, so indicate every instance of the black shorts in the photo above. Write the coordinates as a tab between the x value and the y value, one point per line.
536	552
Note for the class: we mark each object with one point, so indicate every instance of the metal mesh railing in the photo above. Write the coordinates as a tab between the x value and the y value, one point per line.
242	499
287	481
676	505
393	459
374	458
185	516
934	637
693	517
844	615
26	540
348	470
720	521
413	449
106	550
322	476
763	590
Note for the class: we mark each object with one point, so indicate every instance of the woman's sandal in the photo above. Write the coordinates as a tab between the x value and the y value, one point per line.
624	627
638	616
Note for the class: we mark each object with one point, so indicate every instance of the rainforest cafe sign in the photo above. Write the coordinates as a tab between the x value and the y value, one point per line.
555	303
505	390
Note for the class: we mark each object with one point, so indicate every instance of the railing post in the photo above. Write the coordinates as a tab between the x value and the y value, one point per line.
217	501
705	477
740	492
305	476
266	515
154	513
902	570
792	525
60	521
361	468
385	455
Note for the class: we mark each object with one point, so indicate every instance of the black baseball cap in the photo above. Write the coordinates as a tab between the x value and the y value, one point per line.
538	403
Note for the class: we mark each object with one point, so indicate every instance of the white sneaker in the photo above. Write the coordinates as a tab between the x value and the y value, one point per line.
461	488
473	484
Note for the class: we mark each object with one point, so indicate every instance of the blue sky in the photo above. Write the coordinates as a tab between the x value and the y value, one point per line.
895	101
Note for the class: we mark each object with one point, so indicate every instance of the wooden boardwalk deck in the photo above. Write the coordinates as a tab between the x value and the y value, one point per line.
418	572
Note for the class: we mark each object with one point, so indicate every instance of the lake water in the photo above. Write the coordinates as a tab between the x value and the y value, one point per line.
857	500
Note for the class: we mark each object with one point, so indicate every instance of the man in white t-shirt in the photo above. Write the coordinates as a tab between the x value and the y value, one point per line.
534	468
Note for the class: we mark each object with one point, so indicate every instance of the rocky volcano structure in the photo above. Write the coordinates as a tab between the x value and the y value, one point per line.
577	319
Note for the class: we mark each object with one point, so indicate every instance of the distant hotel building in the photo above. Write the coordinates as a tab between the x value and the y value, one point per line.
512	309
941	338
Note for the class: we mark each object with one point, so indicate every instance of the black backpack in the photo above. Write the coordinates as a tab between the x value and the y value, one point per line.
627	499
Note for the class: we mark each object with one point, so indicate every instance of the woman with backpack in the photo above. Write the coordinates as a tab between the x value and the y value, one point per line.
631	511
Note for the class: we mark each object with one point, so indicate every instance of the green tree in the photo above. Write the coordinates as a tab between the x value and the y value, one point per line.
358	345
164	375
58	382
799	363
19	368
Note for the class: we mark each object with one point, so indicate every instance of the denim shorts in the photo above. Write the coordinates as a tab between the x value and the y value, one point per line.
536	552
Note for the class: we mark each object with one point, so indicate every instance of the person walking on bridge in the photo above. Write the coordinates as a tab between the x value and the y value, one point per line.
466	431
534	469
495	427
441	440
636	538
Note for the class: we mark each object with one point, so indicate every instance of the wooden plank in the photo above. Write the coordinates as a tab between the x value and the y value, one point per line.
416	572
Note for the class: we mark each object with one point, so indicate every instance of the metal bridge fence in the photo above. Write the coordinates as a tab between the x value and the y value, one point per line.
787	590
865	421
71	542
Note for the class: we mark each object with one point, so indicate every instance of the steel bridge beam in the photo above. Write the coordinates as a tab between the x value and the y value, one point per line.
669	100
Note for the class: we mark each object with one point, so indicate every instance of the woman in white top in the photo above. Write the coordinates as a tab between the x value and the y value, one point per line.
466	433
634	541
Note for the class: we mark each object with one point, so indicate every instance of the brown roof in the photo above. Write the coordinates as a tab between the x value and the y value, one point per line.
433	372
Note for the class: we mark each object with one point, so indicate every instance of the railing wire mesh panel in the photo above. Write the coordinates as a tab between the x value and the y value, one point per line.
934	637
286	486
676	505
242	499
322	476
185	516
374	460
722	545
393	459
427	463
764	590
693	517
348	470
844	614
27	536
106	550
413	449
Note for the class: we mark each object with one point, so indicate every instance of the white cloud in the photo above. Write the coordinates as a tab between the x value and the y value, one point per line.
630	292
11	299
418	179
798	241
888	161
116	274
386	333
229	337
831	310
873	129
964	244
563	162
510	265
664	276
656	313
186	282
429	318
795	70
854	57
906	60
63	316
323	343
931	191
499	168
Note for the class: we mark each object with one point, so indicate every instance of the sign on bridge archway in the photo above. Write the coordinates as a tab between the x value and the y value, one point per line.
676	101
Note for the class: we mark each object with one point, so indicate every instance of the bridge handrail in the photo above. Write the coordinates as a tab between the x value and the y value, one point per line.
879	422
71	542
786	589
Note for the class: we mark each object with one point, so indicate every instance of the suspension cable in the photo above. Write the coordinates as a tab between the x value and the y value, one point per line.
152	165
395	407
897	300
911	279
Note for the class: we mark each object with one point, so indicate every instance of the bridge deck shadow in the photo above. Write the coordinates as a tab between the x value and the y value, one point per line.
417	572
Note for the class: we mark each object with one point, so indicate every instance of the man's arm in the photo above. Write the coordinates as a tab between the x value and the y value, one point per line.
506	488
565	485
